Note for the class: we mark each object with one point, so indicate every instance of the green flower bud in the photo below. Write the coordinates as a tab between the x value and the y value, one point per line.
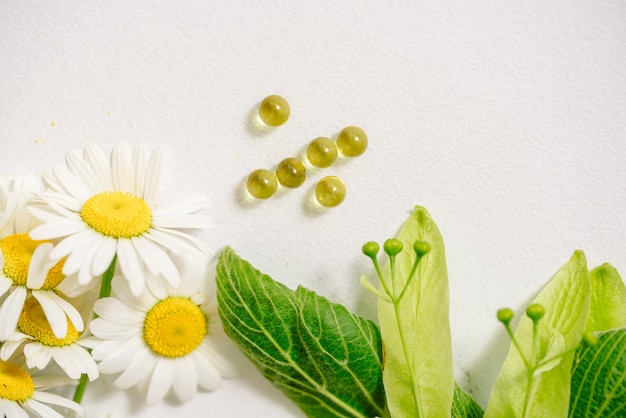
392	247
505	315
535	312
421	248
370	249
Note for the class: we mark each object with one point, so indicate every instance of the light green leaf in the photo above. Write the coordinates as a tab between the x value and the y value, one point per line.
608	299
327	360
566	299
464	406
599	378
418	372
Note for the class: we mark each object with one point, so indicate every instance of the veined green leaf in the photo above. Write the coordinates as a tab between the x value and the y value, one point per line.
464	406
566	299
599	378
327	360
418	374
608	299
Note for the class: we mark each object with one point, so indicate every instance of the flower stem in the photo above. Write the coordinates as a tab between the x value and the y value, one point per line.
105	291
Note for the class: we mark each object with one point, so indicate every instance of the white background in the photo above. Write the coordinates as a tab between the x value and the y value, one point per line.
507	120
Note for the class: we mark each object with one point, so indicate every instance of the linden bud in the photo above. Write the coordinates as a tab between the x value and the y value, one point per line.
535	312
421	248
505	315
392	247
370	249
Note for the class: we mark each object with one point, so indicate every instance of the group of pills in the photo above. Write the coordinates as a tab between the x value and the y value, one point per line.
321	152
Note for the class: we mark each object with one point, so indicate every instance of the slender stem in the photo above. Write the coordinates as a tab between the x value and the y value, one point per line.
530	371
105	291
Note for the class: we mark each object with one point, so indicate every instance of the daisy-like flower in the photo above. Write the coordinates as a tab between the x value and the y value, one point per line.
41	345
102	208
166	338
23	393
25	267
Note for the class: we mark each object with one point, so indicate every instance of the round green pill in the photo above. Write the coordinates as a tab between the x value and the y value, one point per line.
321	152
291	172
352	141
274	110
330	191
262	183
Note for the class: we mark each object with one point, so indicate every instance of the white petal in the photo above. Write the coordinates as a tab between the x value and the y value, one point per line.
157	260
37	355
100	166
39	266
73	242
113	310
72	313
9	346
54	314
185	379
56	229
104	255
115	356
75	361
121	169
51	398
106	330
129	264
138	370
161	381
83	171
178	242
5	283
141	303
153	174
13	410
10	312
72	185
208	376
139	170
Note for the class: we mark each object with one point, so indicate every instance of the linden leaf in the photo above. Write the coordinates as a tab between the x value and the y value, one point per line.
608	299
327	360
464	406
418	373
599	378
566	299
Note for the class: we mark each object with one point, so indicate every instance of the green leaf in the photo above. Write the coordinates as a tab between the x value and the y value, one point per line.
464	406
516	392
327	360
608	299
418	372
599	378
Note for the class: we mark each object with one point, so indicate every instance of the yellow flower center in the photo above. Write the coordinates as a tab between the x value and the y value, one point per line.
117	214
15	382
17	251
174	327
33	322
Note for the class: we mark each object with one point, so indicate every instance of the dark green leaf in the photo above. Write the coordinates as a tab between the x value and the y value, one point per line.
327	360
599	378
464	406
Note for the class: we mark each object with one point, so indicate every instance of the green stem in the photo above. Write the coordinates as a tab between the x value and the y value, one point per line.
530	371
105	291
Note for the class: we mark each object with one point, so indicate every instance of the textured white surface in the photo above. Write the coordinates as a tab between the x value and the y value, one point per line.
507	120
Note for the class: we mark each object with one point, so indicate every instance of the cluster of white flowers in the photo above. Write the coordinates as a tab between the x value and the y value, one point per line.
91	224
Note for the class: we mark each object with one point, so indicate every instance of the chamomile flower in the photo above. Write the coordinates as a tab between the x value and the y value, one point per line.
167	338
25	267
104	208
23	393
41	345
